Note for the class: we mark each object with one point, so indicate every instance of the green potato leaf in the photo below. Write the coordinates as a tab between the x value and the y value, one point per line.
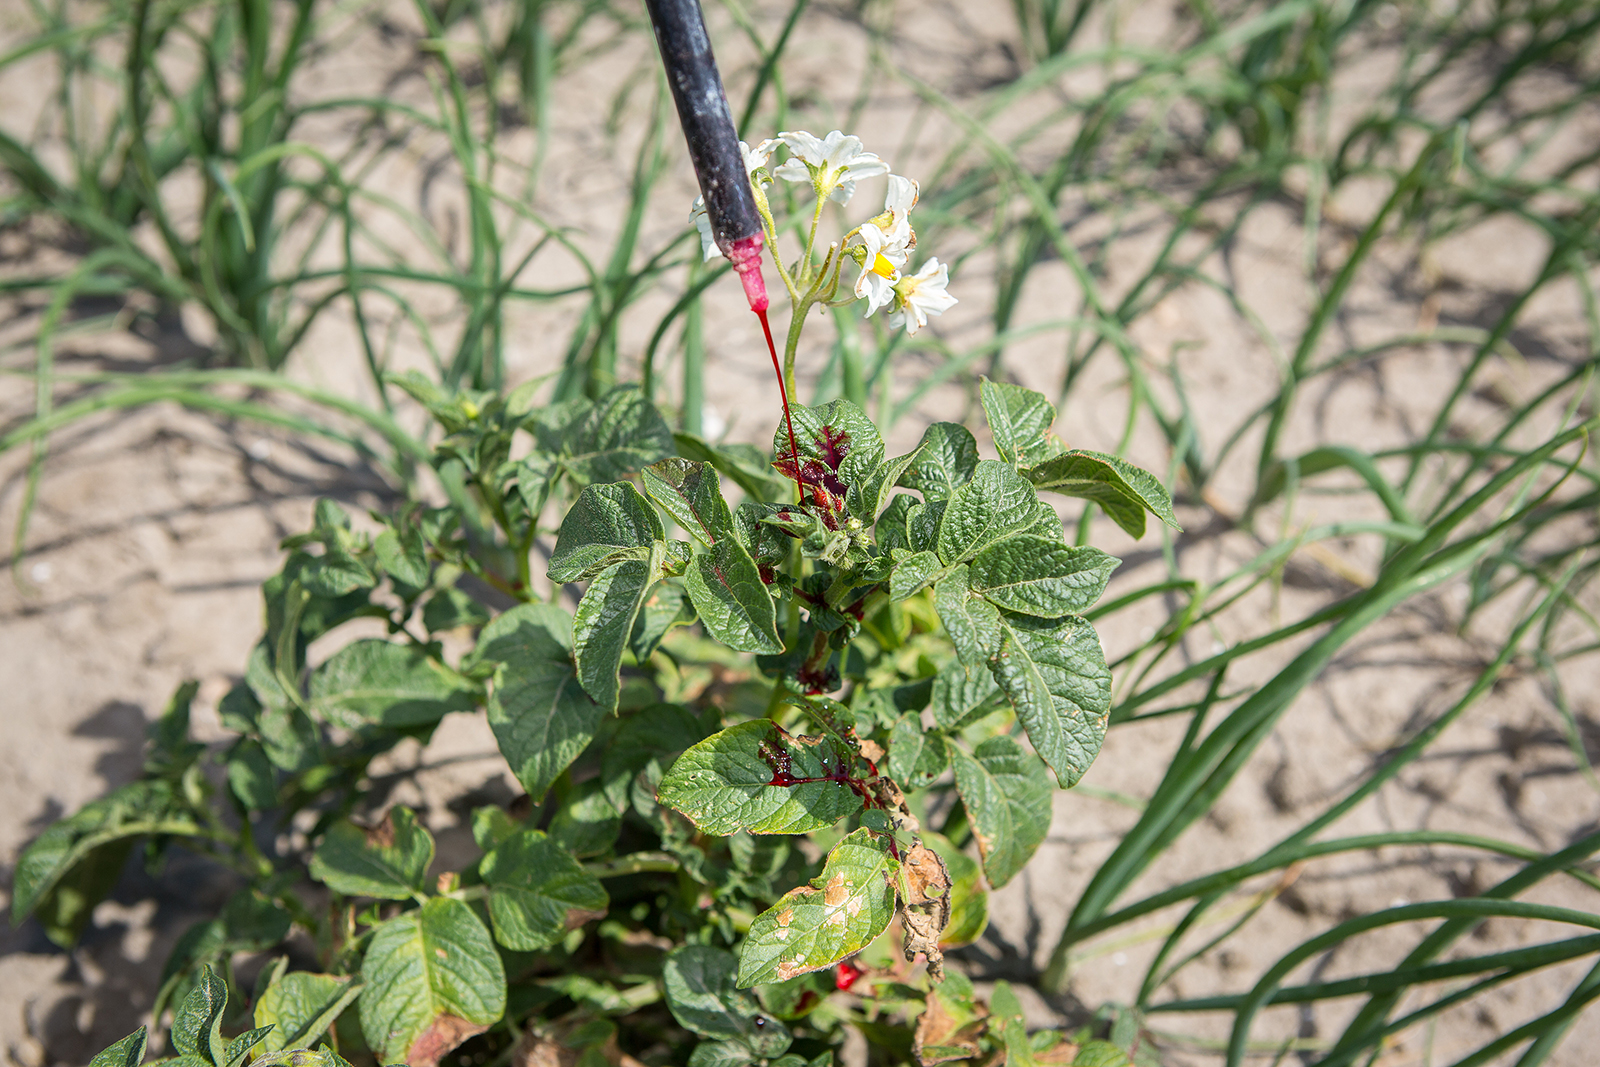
587	823
1007	796
915	758
731	599
536	475
912	572
251	777
433	979
721	1054
615	438
241	1046
301	1006
492	825
1125	492
67	856
727	782
922	525
65	911
870	482
539	712
376	681
962	694
450	608
701	984
745	464
1056	677
403	556
605	525
646	743
972	622
817	925
1040	576
944	463
129	1052
1020	421
997	502
604	622
388	861
1101	1054
197	1023
668	605
538	892
689	491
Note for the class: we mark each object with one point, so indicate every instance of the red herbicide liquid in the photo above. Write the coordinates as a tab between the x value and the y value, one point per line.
746	257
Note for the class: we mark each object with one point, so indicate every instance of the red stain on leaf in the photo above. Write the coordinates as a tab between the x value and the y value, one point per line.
834	446
820	483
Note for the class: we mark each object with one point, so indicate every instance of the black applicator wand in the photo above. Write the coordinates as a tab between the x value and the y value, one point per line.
718	163
713	140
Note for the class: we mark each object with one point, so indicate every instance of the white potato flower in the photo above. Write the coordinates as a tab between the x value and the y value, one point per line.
885	257
832	164
758	157
921	294
897	204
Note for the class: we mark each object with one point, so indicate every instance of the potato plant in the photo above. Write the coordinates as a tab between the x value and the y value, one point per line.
697	873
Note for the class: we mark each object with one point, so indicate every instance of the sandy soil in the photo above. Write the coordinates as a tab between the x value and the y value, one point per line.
155	527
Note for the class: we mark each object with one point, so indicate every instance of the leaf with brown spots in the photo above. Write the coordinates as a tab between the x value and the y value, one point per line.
837	915
926	876
925	899
950	1024
537	891
969	899
433	978
1007	795
446	1034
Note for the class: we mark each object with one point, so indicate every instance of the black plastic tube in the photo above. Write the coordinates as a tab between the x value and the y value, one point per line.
707	122
713	139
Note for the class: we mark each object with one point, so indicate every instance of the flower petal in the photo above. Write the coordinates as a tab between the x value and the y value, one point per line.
901	197
759	156
793	169
804	145
702	222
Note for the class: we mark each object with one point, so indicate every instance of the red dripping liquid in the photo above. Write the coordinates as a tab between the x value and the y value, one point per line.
745	255
783	392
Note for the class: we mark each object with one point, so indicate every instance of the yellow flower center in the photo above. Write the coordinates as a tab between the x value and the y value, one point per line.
882	267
